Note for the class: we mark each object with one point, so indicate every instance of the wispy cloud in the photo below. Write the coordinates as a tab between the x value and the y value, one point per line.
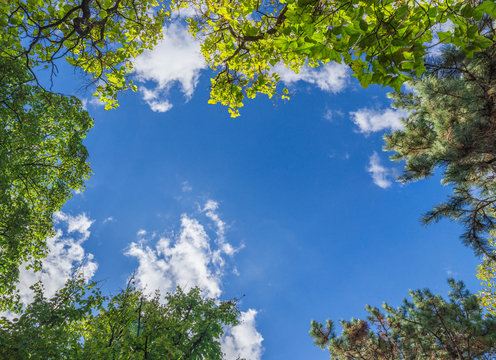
328	115
185	261
141	233
93	102
332	77
223	247
156	99
176	60
331	115
369	120
450	272
108	219
381	175
186	187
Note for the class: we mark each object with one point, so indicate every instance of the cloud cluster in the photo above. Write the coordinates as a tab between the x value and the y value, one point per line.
381	176
332	77
369	120
65	255
191	258
187	259
176	60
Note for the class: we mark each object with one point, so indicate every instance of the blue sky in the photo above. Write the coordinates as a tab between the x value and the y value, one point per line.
291	207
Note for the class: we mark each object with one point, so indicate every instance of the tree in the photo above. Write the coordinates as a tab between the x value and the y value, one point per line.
486	272
452	126
184	326
80	323
41	132
101	37
42	160
428	327
50	328
382	41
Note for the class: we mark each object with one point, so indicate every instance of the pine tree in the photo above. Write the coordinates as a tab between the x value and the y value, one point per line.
452	125
427	327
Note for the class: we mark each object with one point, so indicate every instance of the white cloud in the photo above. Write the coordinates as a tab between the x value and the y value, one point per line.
188	259
243	340
224	247
450	272
80	223
380	175
328	115
160	106
331	115
154	98
435	47
189	11
331	77
369	120
65	255
193	258
186	187
176	59
94	102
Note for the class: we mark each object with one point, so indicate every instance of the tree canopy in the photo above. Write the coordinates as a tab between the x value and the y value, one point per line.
78	322
99	37
43	159
452	124
425	327
383	42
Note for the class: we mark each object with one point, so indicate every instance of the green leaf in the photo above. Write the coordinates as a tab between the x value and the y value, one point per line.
488	7
363	25
365	79
444	35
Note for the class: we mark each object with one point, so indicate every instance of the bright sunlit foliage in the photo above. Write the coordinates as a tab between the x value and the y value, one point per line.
383	42
486	272
99	37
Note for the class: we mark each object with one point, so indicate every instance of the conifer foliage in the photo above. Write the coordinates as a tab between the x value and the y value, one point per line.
452	126
425	327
